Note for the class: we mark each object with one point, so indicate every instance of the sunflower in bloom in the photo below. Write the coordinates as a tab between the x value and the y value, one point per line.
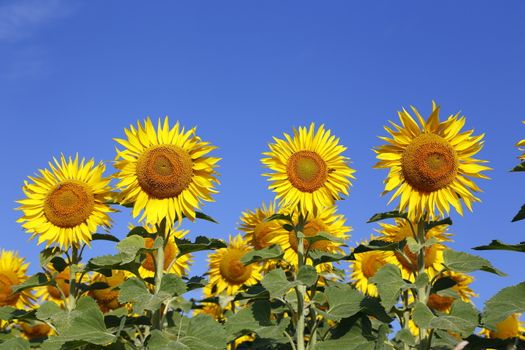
13	271
259	232
308	169
107	298
226	271
65	204
165	173
433	254
431	165
366	265
173	263
325	221
511	327
443	303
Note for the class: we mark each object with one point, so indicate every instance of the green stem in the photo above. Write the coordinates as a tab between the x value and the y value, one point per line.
422	292
300	291
159	273
71	302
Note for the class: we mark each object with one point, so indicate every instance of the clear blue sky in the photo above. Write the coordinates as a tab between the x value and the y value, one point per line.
74	74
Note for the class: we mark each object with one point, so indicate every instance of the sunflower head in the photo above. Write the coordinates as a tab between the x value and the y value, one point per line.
443	303
366	265
107	298
308	169
65	204
259	231
431	164
13	271
164	172
511	327
227	272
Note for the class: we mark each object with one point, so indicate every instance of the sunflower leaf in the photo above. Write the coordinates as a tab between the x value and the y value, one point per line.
498	245
201	243
104	237
465	263
520	215
8	313
422	315
519	167
323	236
15	344
200	215
443	284
389	284
285	217
378	245
320	257
463	318
276	283
343	301
387	215
430	225
307	275
507	301
272	252
37	280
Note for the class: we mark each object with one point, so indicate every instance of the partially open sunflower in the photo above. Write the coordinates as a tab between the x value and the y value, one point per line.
309	169
67	203
13	271
431	164
165	173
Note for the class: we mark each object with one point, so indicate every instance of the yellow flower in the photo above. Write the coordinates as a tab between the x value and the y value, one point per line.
433	254
443	303
259	232
227	273
431	166
165	173
13	271
366	265
325	221
173	263
308	169
107	298
511	327
66	205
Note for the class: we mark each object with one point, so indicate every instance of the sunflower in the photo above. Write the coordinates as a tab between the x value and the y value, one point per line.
431	166
164	173
173	263
324	221
308	169
258	230
511	327
66	205
227	273
366	265
13	271
443	303
433	253
107	298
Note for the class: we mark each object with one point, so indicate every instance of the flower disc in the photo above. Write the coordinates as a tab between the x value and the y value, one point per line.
69	204
307	171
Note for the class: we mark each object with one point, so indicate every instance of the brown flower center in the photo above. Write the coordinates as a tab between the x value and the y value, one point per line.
7	280
429	163
307	171
69	204
170	253
164	171
261	234
232	269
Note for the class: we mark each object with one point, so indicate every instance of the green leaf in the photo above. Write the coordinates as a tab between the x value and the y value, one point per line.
307	275
272	252
442	284
498	245
430	225
343	301
350	334
15	344
49	253
389	284
202	216
201	243
463	319
405	336
104	237
37	280
198	333
323	236
422	315
520	167
378	245
387	215
84	324
279	217
464	262
520	215
139	231
506	302
320	257
172	285
8	313
135	291
276	283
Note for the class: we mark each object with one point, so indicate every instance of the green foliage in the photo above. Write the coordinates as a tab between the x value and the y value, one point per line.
507	301
388	215
465	262
498	245
343	301
272	252
520	215
389	284
201	243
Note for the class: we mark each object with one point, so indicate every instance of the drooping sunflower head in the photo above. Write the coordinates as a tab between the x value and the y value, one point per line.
308	169
366	265
511	327
408	260
227	273
173	263
165	173
107	298
327	221
13	269
431	164
443	302
66	203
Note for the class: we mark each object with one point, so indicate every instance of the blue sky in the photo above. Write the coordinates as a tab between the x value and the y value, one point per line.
74	74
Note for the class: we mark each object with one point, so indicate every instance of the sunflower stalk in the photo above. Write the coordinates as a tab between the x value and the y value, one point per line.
159	273
423	291
301	288
71	302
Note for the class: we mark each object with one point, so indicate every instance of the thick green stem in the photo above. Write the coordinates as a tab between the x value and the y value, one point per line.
301	291
422	292
72	301
159	273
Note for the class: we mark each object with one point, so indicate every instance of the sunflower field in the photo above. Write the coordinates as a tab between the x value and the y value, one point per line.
291	280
